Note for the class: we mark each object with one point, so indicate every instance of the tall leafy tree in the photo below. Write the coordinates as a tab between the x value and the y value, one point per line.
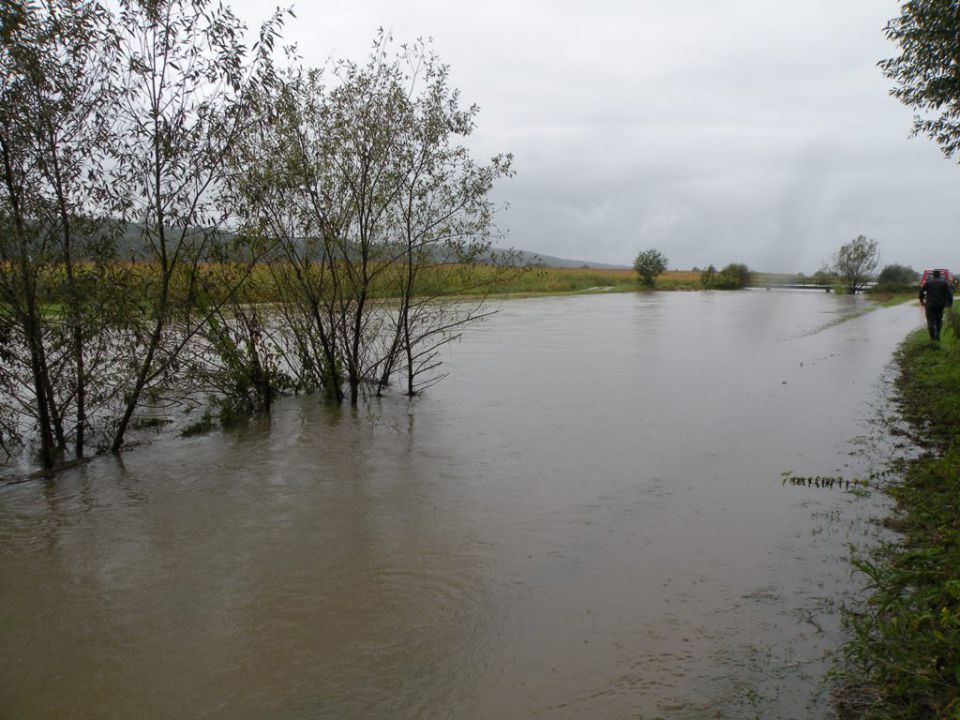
55	103
187	79
927	70
364	187
855	263
648	264
443	217
280	186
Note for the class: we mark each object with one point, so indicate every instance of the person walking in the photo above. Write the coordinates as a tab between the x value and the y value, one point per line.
935	296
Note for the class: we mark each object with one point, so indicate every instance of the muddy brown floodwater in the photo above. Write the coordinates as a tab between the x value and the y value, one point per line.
585	520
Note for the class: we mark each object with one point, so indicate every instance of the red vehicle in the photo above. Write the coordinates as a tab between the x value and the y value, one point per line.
944	273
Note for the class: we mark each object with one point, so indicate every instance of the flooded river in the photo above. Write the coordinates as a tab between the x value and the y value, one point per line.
584	520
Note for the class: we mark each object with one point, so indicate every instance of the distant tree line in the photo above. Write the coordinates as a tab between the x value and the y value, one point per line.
852	269
230	170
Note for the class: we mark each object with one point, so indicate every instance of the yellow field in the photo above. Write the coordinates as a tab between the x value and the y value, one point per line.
141	280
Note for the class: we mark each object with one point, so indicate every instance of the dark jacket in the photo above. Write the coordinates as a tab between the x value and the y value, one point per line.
936	293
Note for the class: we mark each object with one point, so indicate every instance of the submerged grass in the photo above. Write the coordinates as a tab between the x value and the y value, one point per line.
903	658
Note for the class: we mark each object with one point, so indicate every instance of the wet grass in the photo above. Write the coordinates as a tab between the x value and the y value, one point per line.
903	657
559	281
892	299
441	280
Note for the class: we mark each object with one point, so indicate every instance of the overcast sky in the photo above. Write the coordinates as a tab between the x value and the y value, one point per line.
756	131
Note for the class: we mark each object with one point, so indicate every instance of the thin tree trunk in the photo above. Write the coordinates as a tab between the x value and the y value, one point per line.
134	398
408	347
30	316
76	317
56	417
39	386
161	310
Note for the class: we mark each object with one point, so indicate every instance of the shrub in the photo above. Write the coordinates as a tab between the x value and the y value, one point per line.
649	264
894	278
734	276
708	276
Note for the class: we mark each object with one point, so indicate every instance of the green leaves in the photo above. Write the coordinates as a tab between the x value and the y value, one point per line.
855	262
649	264
927	71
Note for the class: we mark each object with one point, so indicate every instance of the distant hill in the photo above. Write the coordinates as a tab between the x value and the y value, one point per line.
132	243
525	257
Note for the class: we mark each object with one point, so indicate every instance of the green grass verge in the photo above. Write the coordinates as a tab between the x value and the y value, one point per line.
903	657
891	299
561	281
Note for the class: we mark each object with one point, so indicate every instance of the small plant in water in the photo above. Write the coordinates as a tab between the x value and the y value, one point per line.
203	425
831	482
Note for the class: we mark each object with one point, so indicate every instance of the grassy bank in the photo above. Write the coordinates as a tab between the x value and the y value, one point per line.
889	299
554	281
263	283
903	659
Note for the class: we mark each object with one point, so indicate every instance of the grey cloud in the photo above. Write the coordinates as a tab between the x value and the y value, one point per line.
751	130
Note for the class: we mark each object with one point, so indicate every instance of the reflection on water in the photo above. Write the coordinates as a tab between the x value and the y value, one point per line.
585	520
